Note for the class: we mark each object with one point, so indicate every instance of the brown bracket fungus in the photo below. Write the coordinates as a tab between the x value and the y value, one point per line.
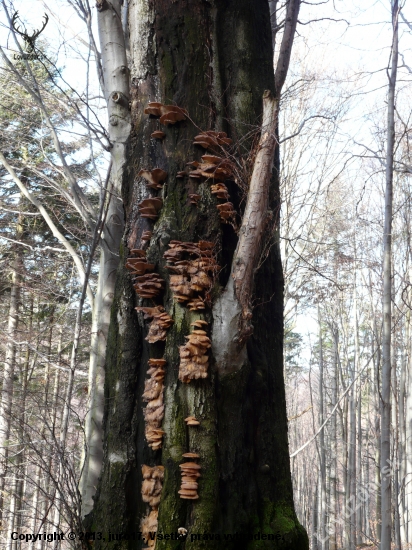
146	236
151	491
191	421
194	198
137	262
149	208
172	114
149	285
154	178
217	168
190	474
169	114
211	139
227	212
196	305
153	108
181	174
160	324
191	278
220	191
158	134
194	361
154	410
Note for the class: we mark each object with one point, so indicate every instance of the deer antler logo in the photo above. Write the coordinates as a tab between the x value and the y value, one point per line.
29	39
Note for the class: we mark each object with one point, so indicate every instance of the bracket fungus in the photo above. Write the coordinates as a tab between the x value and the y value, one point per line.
191	421
194	361
194	198
191	278
146	236
158	134
220	191
149	285
154	178
196	305
169	114
212	167
161	322
154	410
227	212
190	474
148	526
181	174
153	108
151	491
138	265
149	208
211	139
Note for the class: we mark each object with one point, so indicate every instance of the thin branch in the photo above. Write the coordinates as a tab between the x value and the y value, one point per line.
333	410
302	125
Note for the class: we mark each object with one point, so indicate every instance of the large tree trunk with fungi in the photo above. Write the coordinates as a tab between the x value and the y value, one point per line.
215	60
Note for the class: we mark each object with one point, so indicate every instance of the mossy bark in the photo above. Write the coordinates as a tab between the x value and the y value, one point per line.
215	60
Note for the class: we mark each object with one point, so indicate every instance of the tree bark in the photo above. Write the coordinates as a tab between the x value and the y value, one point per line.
386	496
183	53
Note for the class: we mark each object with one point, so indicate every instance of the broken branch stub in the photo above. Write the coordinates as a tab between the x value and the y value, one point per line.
232	312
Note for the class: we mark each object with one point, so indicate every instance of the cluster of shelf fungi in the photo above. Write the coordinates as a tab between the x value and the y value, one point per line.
192	268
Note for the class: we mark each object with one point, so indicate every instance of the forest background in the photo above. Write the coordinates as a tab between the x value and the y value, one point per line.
333	139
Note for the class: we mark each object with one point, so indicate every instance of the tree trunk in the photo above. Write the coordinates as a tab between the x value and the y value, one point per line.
333	444
386	497
322	490
116	90
215	60
6	400
408	435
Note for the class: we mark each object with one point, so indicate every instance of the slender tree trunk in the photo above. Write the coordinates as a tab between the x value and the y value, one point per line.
358	417
352	466
395	455
408	436
322	492
333	445
6	398
314	518
386	498
402	440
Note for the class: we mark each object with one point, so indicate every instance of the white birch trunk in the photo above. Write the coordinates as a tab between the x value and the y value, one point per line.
116	90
